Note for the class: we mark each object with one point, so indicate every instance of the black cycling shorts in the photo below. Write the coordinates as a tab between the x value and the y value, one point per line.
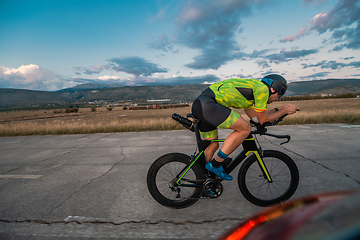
211	114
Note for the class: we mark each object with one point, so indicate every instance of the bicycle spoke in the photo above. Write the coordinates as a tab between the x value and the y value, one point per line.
167	173
258	185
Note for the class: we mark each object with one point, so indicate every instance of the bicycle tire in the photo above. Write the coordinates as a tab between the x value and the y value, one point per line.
161	177
256	188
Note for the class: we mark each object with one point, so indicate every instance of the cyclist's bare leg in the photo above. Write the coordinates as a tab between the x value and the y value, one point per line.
241	129
211	149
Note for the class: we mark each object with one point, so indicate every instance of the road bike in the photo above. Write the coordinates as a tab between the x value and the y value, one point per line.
265	177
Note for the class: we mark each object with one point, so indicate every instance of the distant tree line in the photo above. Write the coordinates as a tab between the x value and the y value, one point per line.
313	97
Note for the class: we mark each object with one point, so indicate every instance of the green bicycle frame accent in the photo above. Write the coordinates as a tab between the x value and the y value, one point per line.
202	152
188	168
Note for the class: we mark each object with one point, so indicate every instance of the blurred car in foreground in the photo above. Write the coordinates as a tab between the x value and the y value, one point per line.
330	216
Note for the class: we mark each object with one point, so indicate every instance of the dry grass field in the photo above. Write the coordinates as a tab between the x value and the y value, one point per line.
38	122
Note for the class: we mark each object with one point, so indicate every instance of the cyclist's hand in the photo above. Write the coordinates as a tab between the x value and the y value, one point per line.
291	109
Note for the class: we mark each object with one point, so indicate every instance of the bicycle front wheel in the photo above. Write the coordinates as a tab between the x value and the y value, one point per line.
163	184
255	186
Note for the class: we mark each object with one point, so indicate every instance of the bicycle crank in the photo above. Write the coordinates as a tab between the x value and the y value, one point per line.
212	188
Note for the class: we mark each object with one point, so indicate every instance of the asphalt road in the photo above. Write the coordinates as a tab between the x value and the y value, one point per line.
93	186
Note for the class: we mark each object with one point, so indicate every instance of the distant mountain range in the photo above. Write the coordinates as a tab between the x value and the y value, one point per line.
84	93
329	86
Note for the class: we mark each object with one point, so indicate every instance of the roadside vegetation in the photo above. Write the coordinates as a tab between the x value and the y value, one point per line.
313	97
119	119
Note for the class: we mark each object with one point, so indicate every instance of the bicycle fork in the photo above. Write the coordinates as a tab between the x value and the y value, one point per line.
261	164
250	146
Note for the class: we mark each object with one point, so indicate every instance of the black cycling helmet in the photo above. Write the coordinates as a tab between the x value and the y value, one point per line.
277	82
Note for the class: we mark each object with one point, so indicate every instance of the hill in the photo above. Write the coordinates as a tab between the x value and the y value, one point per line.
330	86
87	86
16	98
12	98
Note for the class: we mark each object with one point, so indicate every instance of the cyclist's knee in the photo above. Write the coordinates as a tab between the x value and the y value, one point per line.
245	129
248	129
241	125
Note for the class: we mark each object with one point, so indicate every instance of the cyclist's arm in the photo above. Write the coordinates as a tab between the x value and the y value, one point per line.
266	116
251	113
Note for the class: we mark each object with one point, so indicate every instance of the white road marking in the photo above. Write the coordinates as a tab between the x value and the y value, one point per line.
21	176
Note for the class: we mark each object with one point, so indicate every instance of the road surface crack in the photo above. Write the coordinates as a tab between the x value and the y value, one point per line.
85	220
92	180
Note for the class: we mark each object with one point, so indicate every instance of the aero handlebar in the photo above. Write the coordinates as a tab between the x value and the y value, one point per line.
261	129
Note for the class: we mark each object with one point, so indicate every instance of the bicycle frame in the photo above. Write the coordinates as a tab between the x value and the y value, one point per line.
249	146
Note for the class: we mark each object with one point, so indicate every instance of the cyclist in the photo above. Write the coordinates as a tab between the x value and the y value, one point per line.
212	107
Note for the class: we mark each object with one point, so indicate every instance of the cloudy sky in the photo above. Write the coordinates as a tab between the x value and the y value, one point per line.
51	45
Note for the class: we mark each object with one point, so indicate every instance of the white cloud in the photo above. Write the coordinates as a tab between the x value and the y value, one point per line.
32	77
24	69
106	78
320	19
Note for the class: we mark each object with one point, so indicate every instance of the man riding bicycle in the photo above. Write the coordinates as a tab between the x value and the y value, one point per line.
212	107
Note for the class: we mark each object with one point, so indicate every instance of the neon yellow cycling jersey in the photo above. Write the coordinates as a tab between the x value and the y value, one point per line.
241	93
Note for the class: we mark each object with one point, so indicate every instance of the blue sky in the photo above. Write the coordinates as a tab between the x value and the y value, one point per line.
51	45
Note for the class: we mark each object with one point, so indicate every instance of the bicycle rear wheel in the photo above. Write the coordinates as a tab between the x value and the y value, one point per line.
257	189
163	176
